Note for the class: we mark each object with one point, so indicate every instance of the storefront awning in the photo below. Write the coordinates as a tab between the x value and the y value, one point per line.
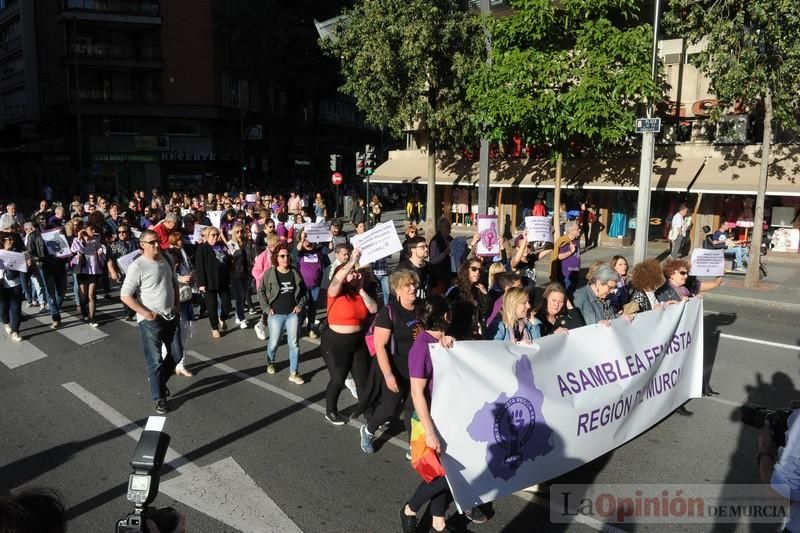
680	168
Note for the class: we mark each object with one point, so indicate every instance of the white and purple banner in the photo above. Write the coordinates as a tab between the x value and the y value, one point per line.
511	416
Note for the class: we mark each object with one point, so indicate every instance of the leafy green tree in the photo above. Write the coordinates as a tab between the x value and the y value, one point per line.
752	58
565	71
406	62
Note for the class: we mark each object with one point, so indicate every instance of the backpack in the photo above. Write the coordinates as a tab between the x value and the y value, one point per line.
369	338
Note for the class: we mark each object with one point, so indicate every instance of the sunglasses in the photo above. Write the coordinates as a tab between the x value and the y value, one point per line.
283	256
474	269
122	232
683	273
151	243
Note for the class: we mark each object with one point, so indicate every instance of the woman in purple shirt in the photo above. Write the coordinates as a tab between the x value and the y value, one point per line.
434	316
90	256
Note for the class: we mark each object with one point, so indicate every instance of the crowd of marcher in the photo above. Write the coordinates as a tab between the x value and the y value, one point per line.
253	262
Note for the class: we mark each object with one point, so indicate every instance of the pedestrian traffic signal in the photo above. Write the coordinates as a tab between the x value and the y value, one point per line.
336	163
360	162
370	160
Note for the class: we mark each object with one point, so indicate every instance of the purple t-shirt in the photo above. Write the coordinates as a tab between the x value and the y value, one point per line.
310	266
573	262
419	358
281	231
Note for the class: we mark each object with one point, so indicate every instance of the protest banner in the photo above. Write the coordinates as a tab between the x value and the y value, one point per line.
377	243
215	217
707	262
539	229
489	243
198	233
511	416
125	261
318	233
56	243
13	261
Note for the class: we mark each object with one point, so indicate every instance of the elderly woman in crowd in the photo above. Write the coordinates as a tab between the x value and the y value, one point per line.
592	300
212	271
514	323
555	313
646	278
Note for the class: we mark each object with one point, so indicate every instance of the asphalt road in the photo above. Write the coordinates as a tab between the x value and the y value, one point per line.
244	441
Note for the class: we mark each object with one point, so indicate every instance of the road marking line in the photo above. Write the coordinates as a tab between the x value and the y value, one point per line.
72	327
222	490
723	401
759	341
18	354
400	443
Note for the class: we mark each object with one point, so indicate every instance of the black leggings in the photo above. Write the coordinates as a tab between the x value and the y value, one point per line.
437	492
344	353
210	298
390	402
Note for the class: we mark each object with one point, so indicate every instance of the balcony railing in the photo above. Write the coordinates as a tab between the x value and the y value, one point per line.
149	8
116	51
120	96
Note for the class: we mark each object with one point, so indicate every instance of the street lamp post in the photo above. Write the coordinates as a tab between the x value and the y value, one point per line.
646	164
483	158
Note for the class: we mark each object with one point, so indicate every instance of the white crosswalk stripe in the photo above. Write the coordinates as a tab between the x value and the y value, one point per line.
72	327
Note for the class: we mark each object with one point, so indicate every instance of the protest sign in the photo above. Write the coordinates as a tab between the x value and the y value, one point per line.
136	233
125	261
539	229
13	261
707	262
377	243
56	243
318	233
185	211
215	217
514	415
489	243
458	251
250	198
198	233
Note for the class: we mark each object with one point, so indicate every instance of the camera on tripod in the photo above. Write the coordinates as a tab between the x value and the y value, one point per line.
755	415
143	481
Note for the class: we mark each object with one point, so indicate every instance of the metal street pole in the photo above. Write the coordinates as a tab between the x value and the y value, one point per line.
646	165
483	166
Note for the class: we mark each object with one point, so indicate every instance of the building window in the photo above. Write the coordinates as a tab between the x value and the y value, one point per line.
182	127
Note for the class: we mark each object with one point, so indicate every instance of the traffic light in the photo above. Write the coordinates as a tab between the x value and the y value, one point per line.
360	162
370	160
336	163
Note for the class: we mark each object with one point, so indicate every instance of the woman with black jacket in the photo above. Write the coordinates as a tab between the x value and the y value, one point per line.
212	265
11	289
242	253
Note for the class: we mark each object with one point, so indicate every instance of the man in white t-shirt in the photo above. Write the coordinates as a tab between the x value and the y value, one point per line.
151	290
677	232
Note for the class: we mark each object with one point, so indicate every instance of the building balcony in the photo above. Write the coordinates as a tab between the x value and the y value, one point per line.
120	96
115	14
114	57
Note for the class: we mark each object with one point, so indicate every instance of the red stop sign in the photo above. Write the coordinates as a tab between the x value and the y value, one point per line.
336	178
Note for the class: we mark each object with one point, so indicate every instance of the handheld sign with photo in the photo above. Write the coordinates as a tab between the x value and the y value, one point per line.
13	261
707	263
538	229
377	243
489	243
56	243
215	217
318	233
250	198
198	233
125	261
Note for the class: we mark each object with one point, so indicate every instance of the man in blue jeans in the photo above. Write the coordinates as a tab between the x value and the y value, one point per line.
151	290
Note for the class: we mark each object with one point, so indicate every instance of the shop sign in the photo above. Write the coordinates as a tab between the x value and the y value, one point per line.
123	157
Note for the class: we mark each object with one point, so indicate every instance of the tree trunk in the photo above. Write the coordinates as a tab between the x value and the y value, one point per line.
557	197
751	278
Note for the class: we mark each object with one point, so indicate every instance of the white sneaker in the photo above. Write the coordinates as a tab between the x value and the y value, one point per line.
7	327
15	337
238	321
243	324
261	332
350	383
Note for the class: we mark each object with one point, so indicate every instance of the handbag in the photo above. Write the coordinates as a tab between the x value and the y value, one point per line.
423	459
369	338
184	292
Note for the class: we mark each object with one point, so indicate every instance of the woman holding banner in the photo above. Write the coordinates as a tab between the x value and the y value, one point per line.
343	346
646	278
434	318
514	323
555	313
592	299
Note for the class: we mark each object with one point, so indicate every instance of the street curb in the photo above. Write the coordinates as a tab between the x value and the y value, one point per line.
752	302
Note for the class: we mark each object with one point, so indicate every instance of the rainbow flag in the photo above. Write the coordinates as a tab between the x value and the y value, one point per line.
423	459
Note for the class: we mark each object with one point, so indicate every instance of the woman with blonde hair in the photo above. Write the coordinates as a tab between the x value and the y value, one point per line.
514	323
